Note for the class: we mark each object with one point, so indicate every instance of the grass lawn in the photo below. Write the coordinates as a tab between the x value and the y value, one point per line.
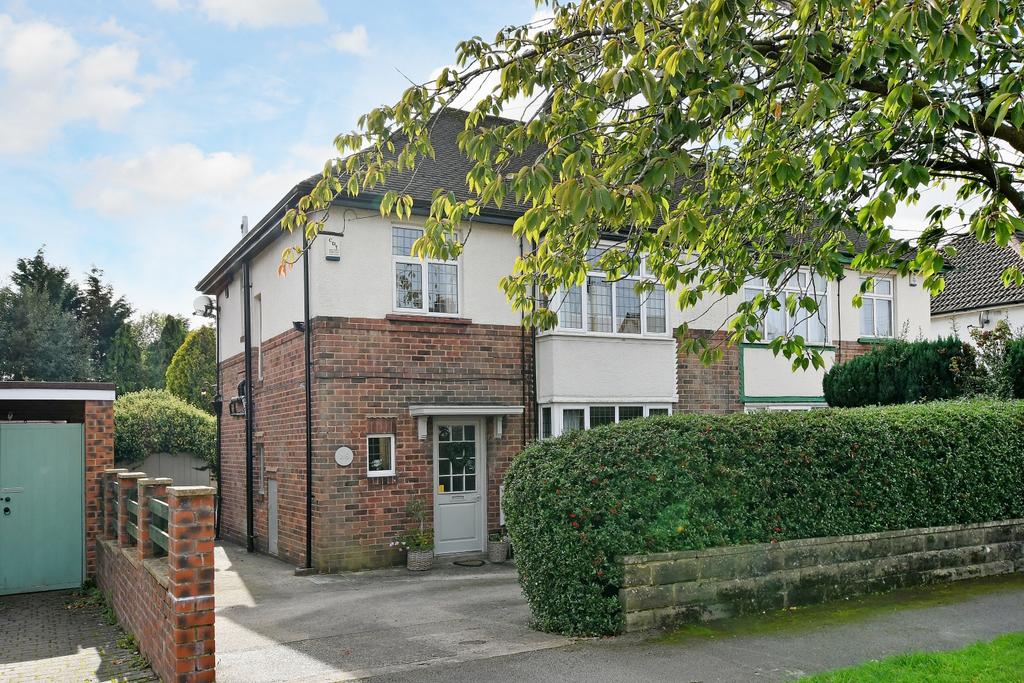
997	661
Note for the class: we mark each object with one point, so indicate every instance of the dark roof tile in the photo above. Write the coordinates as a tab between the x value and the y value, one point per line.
974	281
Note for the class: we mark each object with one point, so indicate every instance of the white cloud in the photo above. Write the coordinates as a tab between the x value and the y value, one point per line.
48	80
176	176
253	13
354	42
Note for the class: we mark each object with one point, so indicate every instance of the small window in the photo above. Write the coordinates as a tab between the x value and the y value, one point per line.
657	411
380	455
601	415
545	422
572	420
630	412
876	319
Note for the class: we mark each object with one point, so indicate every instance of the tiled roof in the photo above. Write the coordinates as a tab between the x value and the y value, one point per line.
449	166
974	281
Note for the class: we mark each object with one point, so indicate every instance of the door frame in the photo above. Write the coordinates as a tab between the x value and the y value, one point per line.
481	471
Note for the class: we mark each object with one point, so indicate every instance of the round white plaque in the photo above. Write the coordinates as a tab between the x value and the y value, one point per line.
343	456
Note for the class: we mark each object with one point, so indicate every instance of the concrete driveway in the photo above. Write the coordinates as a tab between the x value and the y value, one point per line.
275	626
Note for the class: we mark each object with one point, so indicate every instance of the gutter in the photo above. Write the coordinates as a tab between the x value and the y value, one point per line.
218	408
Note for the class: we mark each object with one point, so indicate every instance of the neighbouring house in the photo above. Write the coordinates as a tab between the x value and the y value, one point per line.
975	297
424	383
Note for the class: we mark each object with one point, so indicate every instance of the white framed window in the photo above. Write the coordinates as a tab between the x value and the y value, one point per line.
422	285
782	407
562	419
876	311
813	327
380	455
600	306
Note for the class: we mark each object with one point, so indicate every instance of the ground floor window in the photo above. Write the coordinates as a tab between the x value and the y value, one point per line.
556	419
787	407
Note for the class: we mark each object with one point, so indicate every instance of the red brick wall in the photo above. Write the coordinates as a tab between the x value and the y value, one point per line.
365	370
708	388
99	456
279	428
369	369
168	603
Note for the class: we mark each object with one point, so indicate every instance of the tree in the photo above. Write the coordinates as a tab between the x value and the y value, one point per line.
719	140
40	341
158	354
101	314
36	273
124	360
192	374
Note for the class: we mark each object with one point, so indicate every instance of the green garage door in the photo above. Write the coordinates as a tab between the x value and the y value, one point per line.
41	534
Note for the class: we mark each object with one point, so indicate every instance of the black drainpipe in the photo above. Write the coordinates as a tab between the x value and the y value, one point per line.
523	373
247	321
218	408
307	338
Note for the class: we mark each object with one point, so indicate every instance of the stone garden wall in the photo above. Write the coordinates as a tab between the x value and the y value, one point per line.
665	589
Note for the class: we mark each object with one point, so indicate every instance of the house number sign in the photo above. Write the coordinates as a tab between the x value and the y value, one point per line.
343	456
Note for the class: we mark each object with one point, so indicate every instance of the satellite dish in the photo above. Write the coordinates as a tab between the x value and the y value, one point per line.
343	456
204	306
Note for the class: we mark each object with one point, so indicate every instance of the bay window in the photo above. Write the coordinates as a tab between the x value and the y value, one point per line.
612	307
422	286
562	419
813	327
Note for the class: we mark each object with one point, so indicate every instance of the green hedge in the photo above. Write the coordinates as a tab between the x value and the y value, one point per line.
155	421
902	372
1015	366
574	503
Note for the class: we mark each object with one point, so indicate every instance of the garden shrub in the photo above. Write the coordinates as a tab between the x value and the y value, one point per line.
156	421
575	503
903	372
1014	366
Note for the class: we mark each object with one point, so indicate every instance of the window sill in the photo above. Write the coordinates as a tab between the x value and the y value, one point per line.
424	318
875	340
577	334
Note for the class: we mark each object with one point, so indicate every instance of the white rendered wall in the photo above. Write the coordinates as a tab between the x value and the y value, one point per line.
574	368
766	375
360	285
961	324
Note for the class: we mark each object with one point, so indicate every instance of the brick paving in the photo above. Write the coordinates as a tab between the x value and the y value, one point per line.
55	637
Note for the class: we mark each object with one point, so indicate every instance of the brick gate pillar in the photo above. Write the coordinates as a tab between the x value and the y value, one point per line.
190	574
128	486
149	488
109	530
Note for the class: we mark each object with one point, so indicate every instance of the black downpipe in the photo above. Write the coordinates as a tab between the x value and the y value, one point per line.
218	408
247	321
307	334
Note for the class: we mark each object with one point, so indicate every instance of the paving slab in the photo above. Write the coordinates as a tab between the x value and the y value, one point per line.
275	626
55	636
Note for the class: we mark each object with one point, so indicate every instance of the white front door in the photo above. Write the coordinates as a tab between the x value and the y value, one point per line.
460	486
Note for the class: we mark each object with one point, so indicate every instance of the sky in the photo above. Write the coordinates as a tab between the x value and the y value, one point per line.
134	134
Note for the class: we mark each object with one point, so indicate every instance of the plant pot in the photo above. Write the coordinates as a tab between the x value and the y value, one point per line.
497	551
419	560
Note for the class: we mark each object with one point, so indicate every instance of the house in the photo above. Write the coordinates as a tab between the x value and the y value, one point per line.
423	383
975	297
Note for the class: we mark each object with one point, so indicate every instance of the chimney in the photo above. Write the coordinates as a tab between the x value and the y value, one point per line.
245	224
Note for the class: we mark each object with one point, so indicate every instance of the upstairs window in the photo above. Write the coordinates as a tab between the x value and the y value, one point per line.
813	327
876	309
422	286
612	307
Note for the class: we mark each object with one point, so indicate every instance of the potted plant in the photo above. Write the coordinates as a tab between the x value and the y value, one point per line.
417	543
497	546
